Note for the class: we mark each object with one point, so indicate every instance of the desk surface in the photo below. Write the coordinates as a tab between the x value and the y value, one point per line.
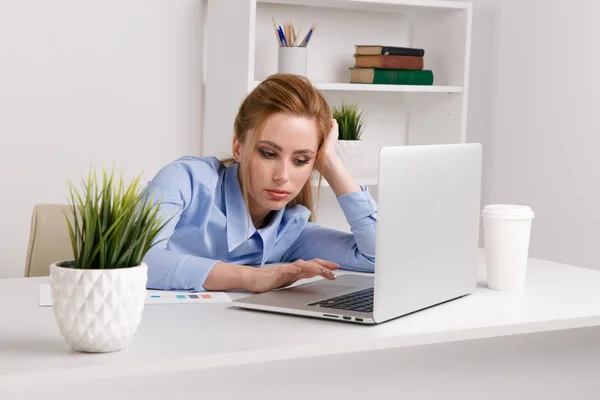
194	336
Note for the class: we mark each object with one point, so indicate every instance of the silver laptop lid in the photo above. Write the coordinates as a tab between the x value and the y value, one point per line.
427	226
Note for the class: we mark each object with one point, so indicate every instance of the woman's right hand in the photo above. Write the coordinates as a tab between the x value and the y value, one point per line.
276	276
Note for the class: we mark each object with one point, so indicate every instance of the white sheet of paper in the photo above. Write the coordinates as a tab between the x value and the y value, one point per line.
154	297
45	295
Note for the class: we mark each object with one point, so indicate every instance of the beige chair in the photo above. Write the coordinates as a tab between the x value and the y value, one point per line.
49	239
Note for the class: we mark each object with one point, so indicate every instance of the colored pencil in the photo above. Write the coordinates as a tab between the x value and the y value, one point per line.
288	36
276	32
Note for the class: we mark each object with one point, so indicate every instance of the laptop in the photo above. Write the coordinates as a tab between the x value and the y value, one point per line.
426	245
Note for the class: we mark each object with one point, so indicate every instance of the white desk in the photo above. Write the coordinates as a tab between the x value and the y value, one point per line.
192	349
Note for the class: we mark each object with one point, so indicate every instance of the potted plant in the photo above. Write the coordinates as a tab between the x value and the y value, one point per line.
98	297
350	128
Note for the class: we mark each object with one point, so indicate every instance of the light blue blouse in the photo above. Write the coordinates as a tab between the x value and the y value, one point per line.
210	224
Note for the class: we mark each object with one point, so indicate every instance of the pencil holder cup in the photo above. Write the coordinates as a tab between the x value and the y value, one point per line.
291	60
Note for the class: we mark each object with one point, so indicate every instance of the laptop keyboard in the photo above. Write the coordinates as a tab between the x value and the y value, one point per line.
361	301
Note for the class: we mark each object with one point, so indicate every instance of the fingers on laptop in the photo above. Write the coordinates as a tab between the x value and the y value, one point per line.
317	267
327	264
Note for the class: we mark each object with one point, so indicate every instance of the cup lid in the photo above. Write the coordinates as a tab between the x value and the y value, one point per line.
507	211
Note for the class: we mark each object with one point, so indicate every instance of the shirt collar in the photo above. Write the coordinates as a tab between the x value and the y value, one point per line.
269	234
239	224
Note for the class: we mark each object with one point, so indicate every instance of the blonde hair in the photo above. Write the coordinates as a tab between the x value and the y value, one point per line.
287	94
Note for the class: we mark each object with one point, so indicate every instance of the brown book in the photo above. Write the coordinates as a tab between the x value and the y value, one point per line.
388	62
389	50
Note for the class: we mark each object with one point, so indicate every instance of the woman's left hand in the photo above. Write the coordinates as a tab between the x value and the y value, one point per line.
328	151
330	165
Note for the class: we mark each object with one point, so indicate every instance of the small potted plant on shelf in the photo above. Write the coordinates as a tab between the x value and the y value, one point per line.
98	297
350	128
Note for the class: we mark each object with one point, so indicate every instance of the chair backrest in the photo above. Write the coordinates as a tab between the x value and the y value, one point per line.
49	239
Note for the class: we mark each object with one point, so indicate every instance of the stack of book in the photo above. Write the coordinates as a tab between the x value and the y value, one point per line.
389	65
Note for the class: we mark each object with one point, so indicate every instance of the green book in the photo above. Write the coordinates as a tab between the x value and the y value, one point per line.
379	76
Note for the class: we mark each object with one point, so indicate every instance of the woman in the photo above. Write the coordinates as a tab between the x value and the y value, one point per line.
246	223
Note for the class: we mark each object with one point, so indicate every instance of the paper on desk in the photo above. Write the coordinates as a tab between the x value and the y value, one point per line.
154	297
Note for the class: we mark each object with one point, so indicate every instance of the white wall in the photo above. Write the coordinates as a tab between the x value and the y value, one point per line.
535	94
91	81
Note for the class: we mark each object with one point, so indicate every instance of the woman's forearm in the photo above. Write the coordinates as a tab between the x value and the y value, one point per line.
225	276
338	177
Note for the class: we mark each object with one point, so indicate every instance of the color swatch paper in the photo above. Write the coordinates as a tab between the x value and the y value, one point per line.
154	297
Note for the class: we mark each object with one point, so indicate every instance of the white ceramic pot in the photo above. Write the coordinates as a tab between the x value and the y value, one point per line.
351	152
98	311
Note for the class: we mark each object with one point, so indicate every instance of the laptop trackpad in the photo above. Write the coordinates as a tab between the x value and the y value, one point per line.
319	289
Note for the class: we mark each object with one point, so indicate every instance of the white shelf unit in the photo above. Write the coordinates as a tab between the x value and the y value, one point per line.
242	51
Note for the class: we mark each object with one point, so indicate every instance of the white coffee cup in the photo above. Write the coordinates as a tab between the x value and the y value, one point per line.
506	229
291	60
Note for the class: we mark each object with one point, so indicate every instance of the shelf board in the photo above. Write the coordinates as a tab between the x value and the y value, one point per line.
361	87
379	5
